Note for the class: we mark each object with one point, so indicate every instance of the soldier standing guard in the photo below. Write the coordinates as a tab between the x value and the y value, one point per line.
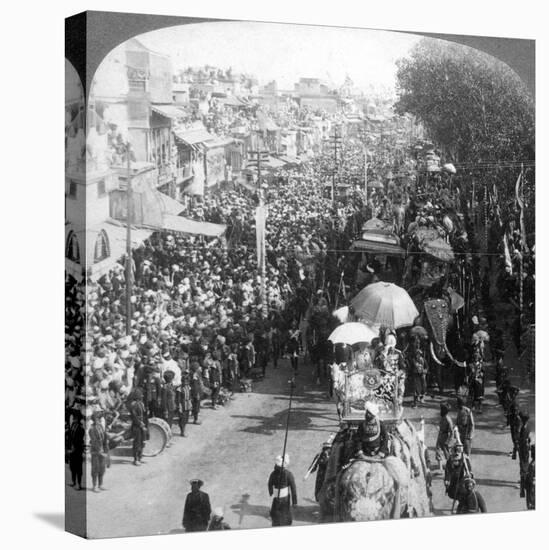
99	449
524	450
184	402
282	488
139	426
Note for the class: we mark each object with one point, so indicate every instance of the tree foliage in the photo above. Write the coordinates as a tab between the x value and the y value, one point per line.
473	105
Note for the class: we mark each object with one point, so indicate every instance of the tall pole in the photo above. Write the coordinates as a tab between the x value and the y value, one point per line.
366	172
262	266
292	386
128	241
260	232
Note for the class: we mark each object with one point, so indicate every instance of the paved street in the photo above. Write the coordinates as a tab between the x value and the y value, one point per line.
233	451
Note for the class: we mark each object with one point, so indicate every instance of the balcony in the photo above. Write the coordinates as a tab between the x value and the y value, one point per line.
183	173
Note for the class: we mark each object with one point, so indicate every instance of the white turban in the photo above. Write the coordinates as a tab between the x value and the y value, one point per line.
278	460
372	408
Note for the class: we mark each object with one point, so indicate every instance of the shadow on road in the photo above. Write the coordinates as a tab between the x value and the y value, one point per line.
300	419
308	514
498	482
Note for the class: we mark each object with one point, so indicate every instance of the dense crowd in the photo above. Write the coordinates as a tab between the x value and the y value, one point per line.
200	327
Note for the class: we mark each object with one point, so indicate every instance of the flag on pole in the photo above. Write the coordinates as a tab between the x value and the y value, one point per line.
260	217
520	203
508	262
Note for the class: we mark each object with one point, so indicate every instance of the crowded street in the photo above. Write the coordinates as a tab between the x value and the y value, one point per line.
296	307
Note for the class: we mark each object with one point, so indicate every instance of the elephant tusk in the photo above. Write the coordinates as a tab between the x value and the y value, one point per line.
455	361
433	354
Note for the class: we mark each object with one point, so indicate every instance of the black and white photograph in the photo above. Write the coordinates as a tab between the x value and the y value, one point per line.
300	272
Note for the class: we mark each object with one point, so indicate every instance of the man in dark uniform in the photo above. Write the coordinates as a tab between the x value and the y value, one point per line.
524	450
470	500
319	464
530	482
168	398
514	422
465	425
139	426
75	446
184	403
99	450
371	436
282	488
196	513
196	390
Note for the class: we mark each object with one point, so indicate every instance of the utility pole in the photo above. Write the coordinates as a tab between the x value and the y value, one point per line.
259	156
128	240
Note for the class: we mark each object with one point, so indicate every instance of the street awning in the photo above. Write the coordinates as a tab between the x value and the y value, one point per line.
219	142
168	111
116	235
192	227
194	136
170	206
289	160
273	163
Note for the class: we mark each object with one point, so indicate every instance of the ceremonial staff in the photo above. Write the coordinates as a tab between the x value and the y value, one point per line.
292	386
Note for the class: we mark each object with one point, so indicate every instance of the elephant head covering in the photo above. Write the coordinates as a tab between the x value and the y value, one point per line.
278	460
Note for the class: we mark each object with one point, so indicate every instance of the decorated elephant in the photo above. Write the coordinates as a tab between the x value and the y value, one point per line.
373	488
438	320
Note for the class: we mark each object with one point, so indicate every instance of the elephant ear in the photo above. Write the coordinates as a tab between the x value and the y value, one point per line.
397	470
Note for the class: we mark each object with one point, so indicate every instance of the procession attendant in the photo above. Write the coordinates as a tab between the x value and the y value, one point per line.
418	368
184	403
458	467
515	423
196	391
99	450
465	424
197	510
216	379
470	500
371	437
168	398
476	373
530	481
282	488
293	345
217	523
524	450
319	465
445	432
139	426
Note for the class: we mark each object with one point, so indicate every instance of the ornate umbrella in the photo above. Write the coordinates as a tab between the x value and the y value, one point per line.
352	333
385	304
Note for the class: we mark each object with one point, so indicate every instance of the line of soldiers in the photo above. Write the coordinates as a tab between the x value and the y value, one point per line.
523	446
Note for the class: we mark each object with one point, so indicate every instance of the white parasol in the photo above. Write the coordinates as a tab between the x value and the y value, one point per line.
352	333
385	304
